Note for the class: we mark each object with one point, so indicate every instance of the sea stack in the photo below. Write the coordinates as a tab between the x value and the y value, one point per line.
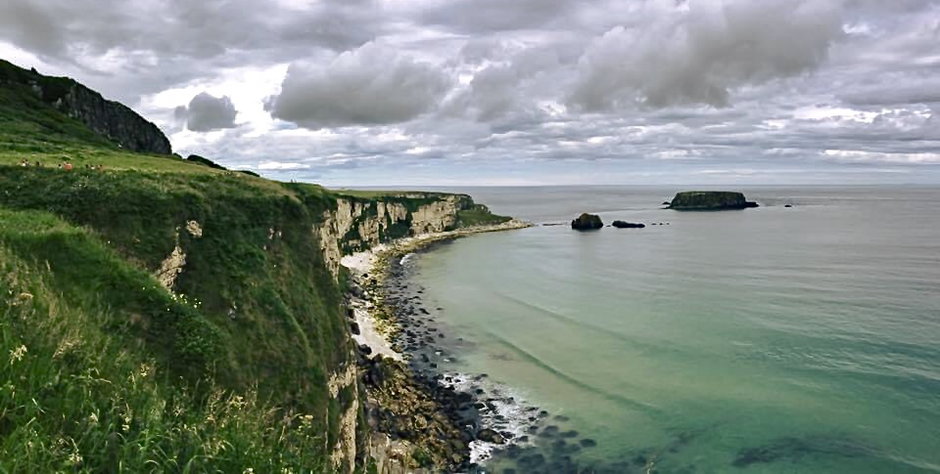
710	201
628	225
587	222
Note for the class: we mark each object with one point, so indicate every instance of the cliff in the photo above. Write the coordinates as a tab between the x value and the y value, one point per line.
159	313
710	201
226	285
108	119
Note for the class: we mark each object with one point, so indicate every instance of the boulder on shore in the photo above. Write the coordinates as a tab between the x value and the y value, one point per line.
490	436
628	225
587	222
710	201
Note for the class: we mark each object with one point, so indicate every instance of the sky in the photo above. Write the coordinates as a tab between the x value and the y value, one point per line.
515	92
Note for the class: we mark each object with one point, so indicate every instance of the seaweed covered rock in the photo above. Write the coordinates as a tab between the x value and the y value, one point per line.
587	222
710	201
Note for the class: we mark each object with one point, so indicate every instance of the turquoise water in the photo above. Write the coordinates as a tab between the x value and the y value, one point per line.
802	339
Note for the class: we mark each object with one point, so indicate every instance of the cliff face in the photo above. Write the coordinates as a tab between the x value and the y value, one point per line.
109	119
358	224
112	120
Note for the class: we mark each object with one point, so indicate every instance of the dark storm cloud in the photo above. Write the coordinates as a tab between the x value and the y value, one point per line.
476	16
206	113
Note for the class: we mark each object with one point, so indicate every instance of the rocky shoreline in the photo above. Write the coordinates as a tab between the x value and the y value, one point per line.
448	422
431	419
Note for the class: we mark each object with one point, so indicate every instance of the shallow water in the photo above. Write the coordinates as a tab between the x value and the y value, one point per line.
802	339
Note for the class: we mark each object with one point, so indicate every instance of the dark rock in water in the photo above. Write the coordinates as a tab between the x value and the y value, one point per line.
790	448
788	205
666	203
569	434
365	349
587	222
354	328
710	201
628	225
588	443
532	460
490	436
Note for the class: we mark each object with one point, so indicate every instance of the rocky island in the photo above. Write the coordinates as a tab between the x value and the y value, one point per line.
587	222
710	201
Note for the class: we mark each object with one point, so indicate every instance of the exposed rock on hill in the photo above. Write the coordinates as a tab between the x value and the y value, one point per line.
109	119
205	162
710	201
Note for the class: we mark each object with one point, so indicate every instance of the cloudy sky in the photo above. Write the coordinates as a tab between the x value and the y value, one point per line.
510	92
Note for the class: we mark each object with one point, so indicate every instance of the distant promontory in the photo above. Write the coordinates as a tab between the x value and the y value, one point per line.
710	201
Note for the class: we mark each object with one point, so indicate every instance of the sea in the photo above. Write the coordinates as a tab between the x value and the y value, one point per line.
767	340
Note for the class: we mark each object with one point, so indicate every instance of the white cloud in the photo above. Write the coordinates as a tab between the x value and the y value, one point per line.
696	55
369	85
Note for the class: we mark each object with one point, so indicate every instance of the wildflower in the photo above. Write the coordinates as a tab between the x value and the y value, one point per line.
74	459
248	470
144	371
17	354
306	421
93	418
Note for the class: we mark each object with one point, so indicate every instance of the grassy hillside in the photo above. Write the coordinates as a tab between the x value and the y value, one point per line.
236	360
102	368
89	387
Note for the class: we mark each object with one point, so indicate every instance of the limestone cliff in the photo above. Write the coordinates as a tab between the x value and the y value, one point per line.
355	224
358	224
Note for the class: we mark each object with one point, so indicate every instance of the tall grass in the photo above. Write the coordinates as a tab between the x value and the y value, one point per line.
75	398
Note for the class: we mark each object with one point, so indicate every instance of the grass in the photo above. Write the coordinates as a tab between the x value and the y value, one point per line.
76	397
478	215
89	242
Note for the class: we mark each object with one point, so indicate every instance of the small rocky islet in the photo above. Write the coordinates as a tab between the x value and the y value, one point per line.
710	201
683	201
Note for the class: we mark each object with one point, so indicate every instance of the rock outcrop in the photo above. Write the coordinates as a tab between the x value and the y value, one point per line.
628	225
110	119
587	222
710	201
